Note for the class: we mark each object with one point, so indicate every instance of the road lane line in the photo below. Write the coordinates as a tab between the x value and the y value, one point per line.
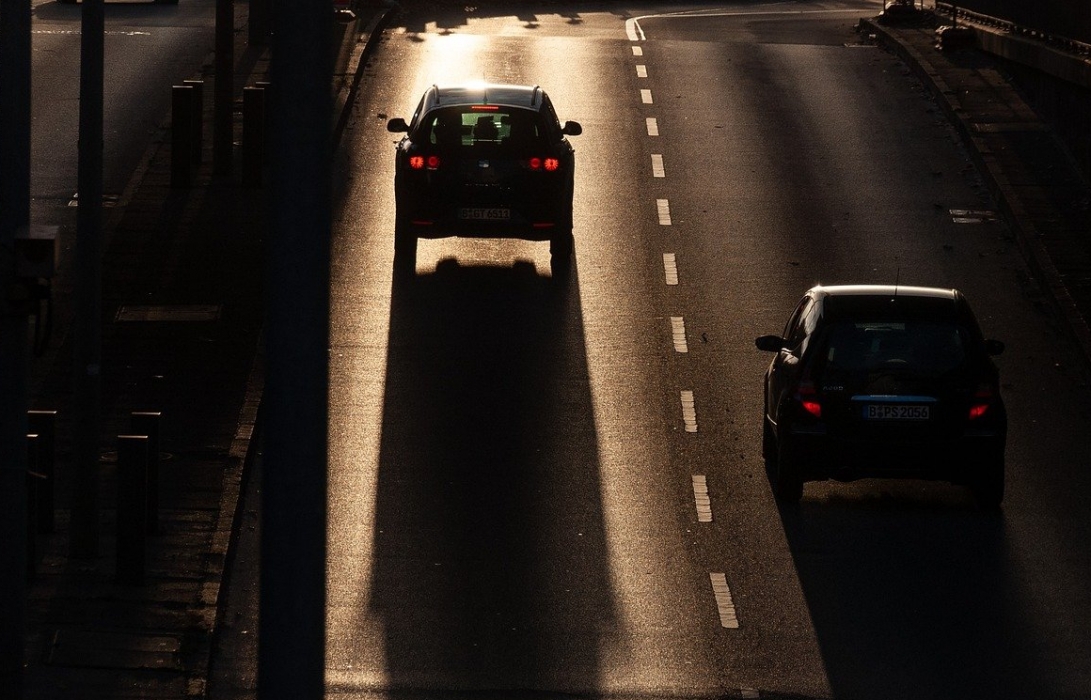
653	126
646	97
641	71
678	334
664	208
670	268
700	497
638	51
724	604
657	165
689	412
633	30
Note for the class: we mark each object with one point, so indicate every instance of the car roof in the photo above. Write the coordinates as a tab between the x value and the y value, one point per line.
525	96
891	301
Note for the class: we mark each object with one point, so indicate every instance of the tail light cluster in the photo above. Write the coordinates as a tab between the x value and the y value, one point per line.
433	162
547	164
807	398
420	162
983	399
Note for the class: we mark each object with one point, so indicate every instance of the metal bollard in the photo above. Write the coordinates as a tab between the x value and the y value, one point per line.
34	483
132	500
44	425
147	423
197	118
253	135
181	135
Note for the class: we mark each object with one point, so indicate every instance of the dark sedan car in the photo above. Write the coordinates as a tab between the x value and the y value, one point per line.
884	382
485	161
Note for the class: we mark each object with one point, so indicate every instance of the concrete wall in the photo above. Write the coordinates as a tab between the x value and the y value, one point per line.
1067	18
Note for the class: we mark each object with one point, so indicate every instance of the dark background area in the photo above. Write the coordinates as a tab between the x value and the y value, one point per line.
1066	18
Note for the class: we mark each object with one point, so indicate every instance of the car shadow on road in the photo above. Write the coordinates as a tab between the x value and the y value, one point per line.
489	562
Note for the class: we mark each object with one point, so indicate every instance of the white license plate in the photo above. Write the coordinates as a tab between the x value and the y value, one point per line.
484	214
896	412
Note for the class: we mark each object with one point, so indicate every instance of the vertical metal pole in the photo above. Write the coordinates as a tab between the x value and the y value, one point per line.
132	497
223	99
291	655
15	72
87	322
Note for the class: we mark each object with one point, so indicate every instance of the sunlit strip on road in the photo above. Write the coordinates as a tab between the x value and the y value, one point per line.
724	604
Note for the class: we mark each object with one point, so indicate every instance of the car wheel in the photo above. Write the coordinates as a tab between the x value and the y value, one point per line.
405	245
787	478
988	484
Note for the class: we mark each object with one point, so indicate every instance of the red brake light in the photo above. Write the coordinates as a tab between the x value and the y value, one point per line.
420	162
805	394
534	163
433	162
484	108
416	162
552	164
983	398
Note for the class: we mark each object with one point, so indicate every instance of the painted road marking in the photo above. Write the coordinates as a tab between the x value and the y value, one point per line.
657	165
678	334
642	71
972	216
670	268
653	126
646	97
724	605
638	51
664	209
633	30
689	412
700	497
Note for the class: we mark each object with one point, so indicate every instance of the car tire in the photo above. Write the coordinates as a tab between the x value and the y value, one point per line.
786	474
405	246
988	484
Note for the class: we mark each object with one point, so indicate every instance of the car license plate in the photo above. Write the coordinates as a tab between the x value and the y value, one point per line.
484	214
896	412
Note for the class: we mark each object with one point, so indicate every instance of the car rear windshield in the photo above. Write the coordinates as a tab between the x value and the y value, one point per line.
922	349
489	126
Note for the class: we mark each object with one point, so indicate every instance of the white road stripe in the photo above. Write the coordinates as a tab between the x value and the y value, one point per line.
701	498
724	605
678	334
641	71
664	208
670	268
657	165
689	412
638	51
646	97
633	30
653	126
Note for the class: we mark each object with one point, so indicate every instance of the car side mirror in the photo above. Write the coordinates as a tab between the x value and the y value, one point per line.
770	343
397	126
994	347
572	129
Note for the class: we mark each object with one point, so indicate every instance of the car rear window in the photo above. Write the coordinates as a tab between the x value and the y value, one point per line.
921	348
483	126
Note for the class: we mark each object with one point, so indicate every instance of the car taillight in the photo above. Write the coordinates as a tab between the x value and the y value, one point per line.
983	398
808	399
422	162
547	164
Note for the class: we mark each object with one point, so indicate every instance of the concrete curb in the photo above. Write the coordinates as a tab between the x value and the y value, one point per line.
1010	204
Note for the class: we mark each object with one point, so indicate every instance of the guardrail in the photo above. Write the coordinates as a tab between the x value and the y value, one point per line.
956	13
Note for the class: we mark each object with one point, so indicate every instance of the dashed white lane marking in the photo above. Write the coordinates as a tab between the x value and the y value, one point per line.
700	497
670	268
678	334
642	71
972	216
653	126
724	605
664	208
689	412
633	30
646	97
638	51
657	165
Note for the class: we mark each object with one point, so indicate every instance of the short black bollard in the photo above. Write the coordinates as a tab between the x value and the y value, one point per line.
44	425
253	135
34	484
181	135
197	118
147	423
132	501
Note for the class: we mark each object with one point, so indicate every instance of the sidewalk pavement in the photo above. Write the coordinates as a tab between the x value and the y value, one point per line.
182	302
1033	179
182	285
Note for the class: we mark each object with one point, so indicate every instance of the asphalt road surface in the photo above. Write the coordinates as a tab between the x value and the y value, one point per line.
519	465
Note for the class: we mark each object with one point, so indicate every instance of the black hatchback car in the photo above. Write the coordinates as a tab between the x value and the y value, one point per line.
484	160
883	382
